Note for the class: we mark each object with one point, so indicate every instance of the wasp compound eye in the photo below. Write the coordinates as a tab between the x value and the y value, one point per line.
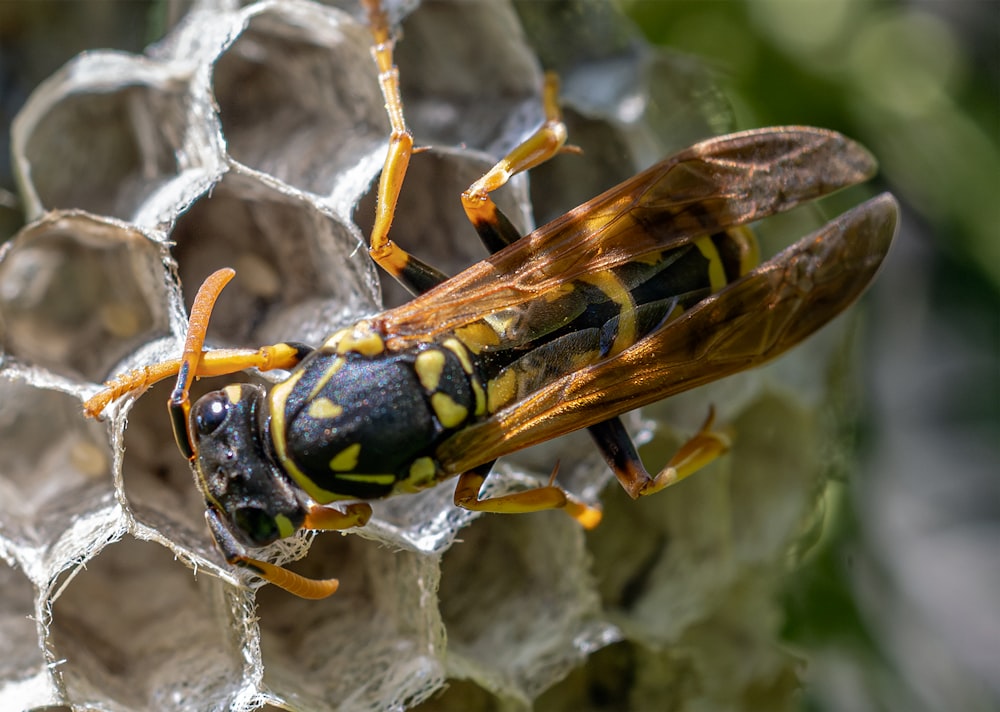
210	412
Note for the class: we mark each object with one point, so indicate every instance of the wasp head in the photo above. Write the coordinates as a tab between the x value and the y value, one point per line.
236	468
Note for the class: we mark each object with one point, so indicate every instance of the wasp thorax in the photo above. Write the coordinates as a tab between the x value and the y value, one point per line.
360	423
236	466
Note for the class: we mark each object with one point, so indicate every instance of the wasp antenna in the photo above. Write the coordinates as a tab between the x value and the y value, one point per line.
179	403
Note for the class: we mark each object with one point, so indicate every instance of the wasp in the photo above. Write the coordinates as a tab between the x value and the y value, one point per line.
648	290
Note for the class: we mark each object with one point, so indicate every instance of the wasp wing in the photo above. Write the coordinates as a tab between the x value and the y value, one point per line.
753	320
714	185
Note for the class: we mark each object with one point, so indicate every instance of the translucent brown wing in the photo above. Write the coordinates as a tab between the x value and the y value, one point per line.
719	183
753	320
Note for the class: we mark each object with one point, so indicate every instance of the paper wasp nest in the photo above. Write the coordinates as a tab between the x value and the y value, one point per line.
251	137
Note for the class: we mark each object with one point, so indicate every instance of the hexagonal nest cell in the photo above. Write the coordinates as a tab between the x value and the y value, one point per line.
251	136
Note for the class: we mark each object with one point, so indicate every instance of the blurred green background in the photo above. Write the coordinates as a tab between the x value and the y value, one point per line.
898	607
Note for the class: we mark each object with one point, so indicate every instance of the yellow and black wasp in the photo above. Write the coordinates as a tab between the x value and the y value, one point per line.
645	291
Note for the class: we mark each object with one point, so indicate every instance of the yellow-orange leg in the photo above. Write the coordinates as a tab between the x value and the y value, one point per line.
416	276
493	227
549	139
220	362
619	452
330	518
534	500
196	363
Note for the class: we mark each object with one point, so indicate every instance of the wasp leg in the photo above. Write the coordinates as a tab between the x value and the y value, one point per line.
619	452
416	276
329	518
221	362
494	228
533	500
236	555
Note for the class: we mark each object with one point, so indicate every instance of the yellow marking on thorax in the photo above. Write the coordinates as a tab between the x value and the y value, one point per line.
616	292
330	345
317	493
423	472
335	365
429	366
480	395
347	459
360	339
716	273
322	408
277	398
456	347
379	478
448	412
